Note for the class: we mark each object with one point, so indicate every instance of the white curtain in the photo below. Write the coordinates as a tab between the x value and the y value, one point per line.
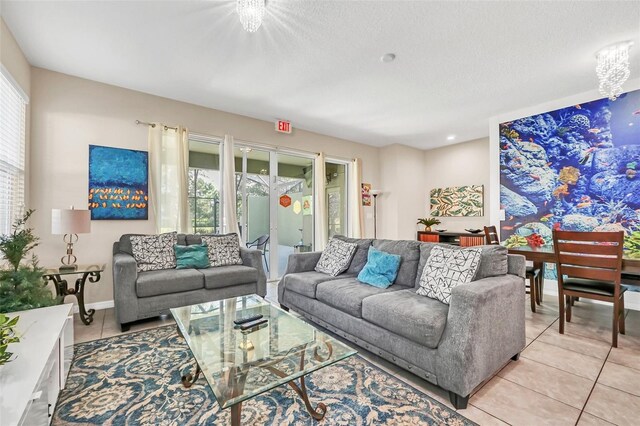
356	212
168	177
229	215
320	214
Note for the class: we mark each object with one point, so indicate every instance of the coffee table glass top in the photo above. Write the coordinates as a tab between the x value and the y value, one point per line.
240	365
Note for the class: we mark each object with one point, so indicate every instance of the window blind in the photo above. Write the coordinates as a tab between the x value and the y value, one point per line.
12	153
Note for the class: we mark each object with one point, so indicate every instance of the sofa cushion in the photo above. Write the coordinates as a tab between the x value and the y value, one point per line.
408	314
493	260
360	256
305	283
381	268
447	268
124	244
223	249
155	283
227	276
410	252
347	294
154	252
336	257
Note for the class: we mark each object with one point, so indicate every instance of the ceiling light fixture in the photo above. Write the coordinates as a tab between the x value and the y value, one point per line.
388	57
251	13
613	68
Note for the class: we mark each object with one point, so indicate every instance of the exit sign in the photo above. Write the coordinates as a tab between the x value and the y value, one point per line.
283	126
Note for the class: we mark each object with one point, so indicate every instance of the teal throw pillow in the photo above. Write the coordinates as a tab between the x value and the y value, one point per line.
193	256
381	268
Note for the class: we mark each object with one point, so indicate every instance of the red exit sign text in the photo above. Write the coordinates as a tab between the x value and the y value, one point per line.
283	126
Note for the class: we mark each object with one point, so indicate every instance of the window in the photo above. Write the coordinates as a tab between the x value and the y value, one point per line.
12	152
204	185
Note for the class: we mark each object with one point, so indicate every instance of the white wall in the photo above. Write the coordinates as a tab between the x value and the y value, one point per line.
69	113
461	164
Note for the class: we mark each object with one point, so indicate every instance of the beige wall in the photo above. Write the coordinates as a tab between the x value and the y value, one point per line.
69	113
457	165
403	197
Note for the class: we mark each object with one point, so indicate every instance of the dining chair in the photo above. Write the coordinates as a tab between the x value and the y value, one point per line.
260	243
589	265
533	273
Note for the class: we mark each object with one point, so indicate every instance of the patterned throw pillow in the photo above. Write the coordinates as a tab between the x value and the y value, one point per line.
154	252
447	268
335	259
223	249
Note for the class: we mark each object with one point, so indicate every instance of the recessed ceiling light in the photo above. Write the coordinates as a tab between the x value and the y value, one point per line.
451	137
388	57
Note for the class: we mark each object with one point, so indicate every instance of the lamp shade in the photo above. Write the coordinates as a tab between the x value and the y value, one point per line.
70	221
375	192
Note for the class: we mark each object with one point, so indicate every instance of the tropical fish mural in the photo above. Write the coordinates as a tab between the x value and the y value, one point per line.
118	183
457	201
575	168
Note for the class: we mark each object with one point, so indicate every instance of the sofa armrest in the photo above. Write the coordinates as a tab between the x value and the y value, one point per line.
485	328
125	274
516	265
302	262
253	259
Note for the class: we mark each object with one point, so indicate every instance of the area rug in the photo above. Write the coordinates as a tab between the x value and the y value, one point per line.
134	379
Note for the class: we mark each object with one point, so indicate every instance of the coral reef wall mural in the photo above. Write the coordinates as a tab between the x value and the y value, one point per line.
575	168
457	201
118	183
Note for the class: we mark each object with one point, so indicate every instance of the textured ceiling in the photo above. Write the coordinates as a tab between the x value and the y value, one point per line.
317	63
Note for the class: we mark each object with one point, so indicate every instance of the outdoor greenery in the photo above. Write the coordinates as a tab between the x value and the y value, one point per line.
21	284
7	336
204	202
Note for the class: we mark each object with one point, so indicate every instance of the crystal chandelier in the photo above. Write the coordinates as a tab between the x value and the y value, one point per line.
251	13
613	68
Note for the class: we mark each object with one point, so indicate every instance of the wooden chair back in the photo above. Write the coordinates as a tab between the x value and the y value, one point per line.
590	255
491	235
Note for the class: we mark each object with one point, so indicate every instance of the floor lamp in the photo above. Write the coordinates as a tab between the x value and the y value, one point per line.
375	193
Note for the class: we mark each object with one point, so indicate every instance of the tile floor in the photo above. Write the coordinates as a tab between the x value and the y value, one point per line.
575	378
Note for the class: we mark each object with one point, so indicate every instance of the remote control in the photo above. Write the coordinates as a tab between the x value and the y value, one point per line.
252	324
243	320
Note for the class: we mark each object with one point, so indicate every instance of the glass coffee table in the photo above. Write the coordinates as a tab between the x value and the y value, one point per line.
239	365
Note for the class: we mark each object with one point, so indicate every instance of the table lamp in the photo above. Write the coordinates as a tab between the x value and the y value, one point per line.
70	222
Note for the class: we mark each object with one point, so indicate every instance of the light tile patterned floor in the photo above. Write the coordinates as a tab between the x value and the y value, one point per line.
575	378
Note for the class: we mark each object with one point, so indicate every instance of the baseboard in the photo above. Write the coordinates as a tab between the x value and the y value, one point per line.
631	298
97	306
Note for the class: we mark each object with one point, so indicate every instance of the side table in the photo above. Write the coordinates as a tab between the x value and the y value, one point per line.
86	272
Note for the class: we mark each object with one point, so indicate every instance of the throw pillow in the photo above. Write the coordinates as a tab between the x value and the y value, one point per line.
194	256
447	268
154	252
223	250
335	259
381	268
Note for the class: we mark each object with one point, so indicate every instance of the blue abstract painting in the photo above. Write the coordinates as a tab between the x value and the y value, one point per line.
575	168
118	183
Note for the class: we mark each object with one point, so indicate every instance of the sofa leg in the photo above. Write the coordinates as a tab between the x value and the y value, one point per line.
125	327
459	402
516	357
284	307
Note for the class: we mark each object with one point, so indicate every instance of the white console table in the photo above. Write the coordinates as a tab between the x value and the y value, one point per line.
30	384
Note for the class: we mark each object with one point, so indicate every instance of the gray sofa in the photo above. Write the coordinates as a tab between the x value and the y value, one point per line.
139	295
456	346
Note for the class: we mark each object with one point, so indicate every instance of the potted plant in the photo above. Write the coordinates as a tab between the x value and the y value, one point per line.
21	283
7	336
428	222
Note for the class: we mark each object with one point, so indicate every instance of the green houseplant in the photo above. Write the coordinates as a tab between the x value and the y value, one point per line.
428	222
21	283
7	336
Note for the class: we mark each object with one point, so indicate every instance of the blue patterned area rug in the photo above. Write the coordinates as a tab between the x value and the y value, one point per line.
134	379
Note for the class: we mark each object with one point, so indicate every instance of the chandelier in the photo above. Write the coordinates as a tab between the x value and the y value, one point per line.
251	13
613	68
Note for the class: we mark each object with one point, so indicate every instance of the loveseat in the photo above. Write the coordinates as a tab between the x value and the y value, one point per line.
139	295
456	346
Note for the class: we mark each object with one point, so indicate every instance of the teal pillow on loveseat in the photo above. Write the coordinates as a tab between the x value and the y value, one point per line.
381	268
193	256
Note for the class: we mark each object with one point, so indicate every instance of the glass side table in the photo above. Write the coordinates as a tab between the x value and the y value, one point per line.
86	272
